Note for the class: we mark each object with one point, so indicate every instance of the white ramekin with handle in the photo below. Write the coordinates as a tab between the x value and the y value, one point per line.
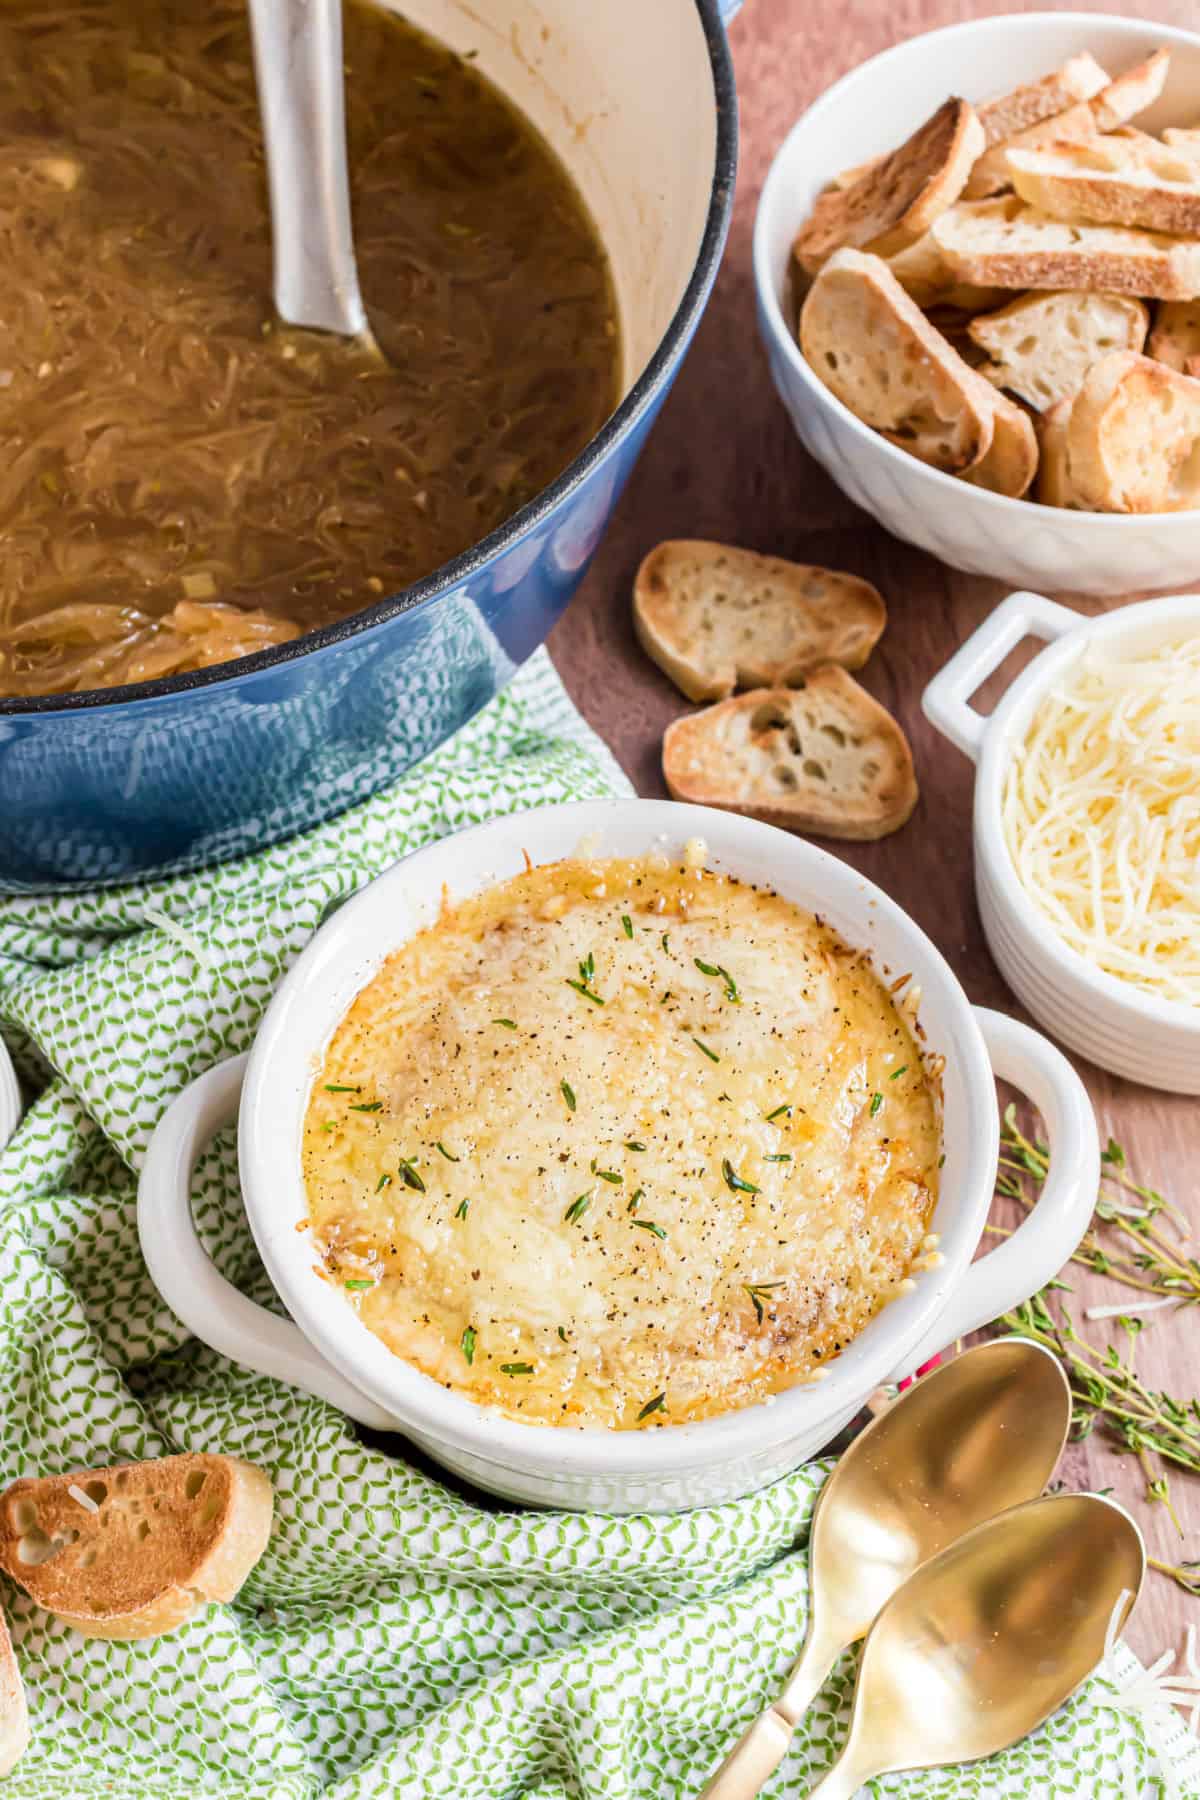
1110	1021
328	1351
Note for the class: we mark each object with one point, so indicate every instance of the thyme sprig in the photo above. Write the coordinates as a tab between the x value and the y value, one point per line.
587	975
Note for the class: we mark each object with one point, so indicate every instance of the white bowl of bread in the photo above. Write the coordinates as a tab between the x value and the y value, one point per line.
1087	827
515	1282
988	328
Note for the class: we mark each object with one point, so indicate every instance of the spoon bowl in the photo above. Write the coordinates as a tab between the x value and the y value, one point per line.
988	1639
977	1435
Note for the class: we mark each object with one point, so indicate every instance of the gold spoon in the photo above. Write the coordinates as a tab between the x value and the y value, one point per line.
979	1434
988	1639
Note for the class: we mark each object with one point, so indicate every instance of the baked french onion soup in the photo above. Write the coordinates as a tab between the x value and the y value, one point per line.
621	1144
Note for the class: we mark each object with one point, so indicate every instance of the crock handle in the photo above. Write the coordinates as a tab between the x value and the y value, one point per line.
1062	1212
945	701
189	1280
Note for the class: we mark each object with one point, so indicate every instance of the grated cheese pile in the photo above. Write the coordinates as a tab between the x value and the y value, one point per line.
1101	812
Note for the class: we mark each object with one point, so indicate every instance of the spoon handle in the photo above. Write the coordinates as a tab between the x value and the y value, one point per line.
757	1754
843	1781
298	65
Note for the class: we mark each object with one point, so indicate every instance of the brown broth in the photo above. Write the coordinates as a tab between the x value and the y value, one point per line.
182	479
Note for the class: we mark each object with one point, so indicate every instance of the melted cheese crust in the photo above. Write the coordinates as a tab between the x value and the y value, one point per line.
621	1144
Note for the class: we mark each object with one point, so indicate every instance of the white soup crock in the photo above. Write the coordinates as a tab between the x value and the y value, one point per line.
329	1352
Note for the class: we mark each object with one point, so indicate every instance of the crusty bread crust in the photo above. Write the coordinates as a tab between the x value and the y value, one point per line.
1006	243
14	1713
715	617
1010	462
1131	92
1112	182
1054	485
875	349
904	191
823	758
149	1545
1133	435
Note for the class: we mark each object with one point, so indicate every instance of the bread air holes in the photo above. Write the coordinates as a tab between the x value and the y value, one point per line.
194	1483
97	1491
36	1546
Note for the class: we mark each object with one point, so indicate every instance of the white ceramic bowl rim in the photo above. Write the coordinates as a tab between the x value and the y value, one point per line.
347	950
774	189
1006	729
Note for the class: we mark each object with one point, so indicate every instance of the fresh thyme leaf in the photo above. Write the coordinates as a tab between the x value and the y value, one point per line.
358	1286
658	1404
562	1334
632	1144
781	1156
758	1292
638	1194
516	1368
508	1024
468	1344
446	1153
627	925
581	987
409	1176
897	1073
568	1094
779	1110
666	942
648	1225
706	968
329	1125
609	1175
876	1103
367	1106
577	1208
462	1209
340	1087
384	1181
731	986
711	1054
733	1180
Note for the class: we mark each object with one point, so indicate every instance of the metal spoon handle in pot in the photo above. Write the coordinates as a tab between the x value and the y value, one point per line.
298	64
764	1743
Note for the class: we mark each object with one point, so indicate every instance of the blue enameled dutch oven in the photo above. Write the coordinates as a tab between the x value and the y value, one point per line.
129	782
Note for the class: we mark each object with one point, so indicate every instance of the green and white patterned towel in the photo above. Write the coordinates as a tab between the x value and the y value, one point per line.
400	1637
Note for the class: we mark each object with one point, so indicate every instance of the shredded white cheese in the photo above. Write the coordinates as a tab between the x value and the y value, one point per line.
187	940
84	1500
1101	811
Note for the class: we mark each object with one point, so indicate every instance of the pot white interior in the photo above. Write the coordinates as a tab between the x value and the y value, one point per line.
624	93
350	947
1141	627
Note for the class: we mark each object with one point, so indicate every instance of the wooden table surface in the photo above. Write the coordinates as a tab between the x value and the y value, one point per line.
723	462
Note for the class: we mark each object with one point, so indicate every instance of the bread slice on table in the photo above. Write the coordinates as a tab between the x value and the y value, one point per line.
1078	79
1054	484
823	758
1113	181
1006	243
133	1552
904	192
1042	345
874	348
1133	437
1010	461
1113	106
714	617
1175	339
14	1714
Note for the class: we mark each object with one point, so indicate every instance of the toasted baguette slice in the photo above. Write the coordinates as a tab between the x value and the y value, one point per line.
1133	438
1183	139
147	1546
14	1714
1114	105
714	617
875	349
1175	339
1078	79
1043	345
905	192
1010	462
1005	243
824	757
1112	181
927	278
1054	484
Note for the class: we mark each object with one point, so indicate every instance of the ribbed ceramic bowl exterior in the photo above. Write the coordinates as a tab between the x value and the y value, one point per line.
871	110
1109	1021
